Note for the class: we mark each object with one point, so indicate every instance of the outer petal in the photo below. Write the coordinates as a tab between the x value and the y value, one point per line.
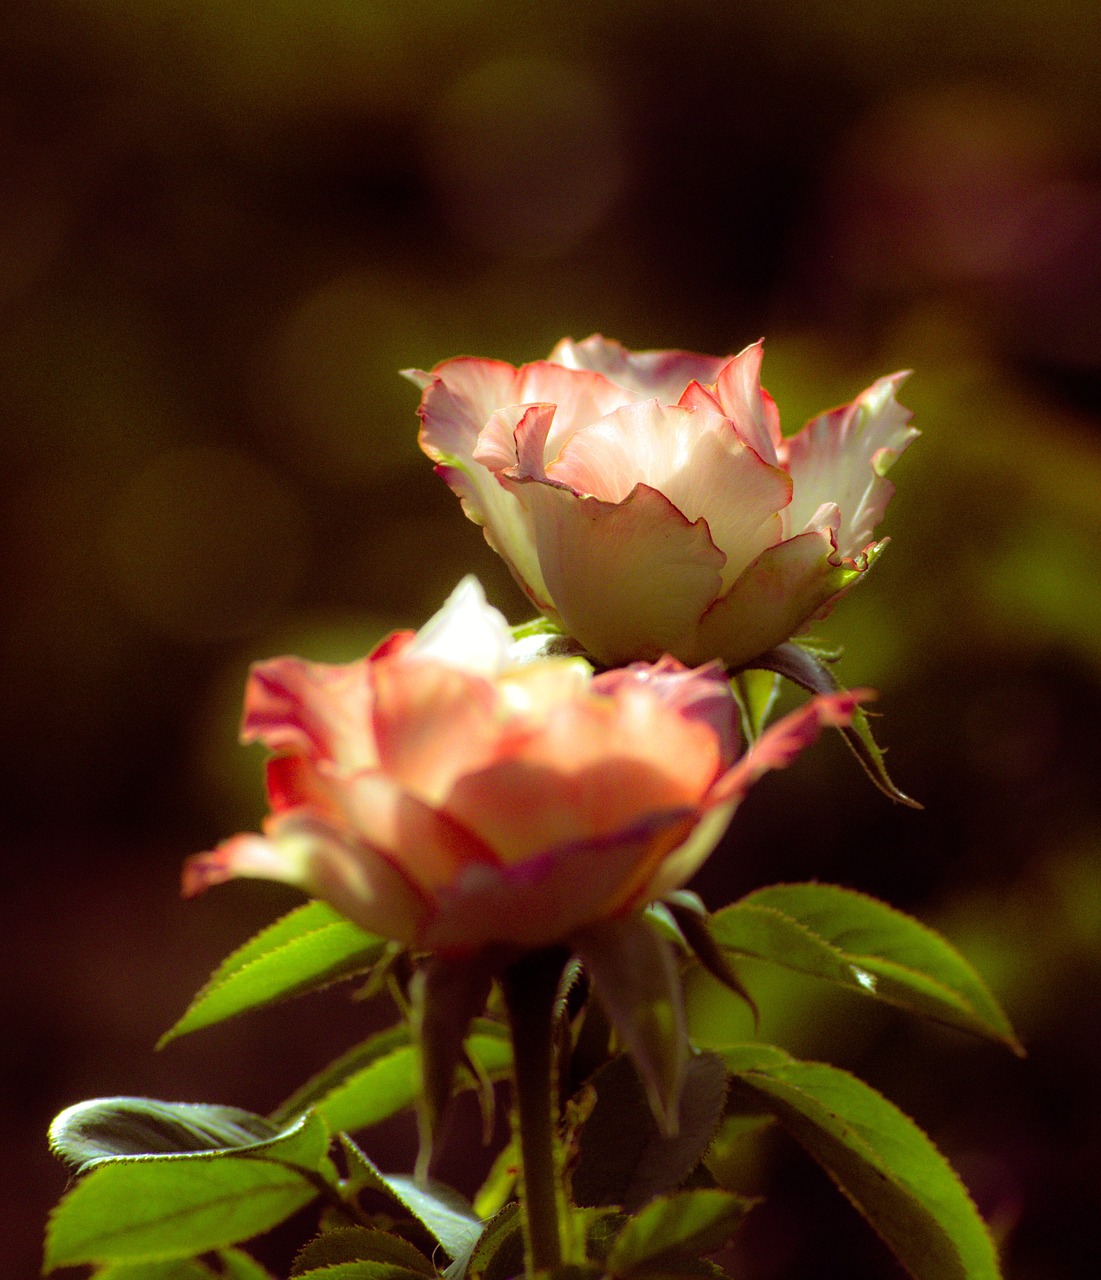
842	457
692	456
776	748
783	589
661	374
629	580
314	708
357	881
540	901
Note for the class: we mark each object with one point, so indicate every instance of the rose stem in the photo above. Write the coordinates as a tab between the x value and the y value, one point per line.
530	987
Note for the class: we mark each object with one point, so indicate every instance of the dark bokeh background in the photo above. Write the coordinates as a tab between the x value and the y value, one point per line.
225	225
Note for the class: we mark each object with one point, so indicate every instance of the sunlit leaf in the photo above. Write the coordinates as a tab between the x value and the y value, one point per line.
860	943
152	1207
756	693
878	1157
676	1227
379	1078
173	1269
307	949
443	1213
238	1265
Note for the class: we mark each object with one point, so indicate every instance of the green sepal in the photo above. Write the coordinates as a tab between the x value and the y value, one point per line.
755	692
693	925
622	1157
676	1229
878	1157
805	669
860	943
307	949
379	1077
138	1208
633	971
361	1244
447	995
440	1210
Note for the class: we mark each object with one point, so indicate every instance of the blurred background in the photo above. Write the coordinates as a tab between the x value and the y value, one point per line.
224	226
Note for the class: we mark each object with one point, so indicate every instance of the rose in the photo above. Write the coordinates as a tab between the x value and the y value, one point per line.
442	796
647	502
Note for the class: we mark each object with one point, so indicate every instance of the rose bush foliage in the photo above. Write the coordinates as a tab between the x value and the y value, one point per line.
444	796
647	501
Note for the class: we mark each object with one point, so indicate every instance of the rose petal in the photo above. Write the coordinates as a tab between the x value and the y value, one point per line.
742	398
357	881
629	580
785	587
842	457
311	707
659	374
540	901
467	633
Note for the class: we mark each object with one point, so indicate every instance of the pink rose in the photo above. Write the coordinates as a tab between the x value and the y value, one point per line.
647	502
440	795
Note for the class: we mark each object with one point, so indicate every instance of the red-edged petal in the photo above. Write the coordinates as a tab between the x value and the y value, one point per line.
537	902
357	881
629	580
692	456
842	457
660	374
742	398
311	708
784	588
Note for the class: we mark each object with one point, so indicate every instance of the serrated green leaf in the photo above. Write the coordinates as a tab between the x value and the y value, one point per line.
360	1244
878	1157
634	975
499	1253
443	1213
860	943
623	1159
675	1228
309	948
152	1207
109	1128
379	1078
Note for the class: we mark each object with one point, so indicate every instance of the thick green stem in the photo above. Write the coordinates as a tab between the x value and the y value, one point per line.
531	985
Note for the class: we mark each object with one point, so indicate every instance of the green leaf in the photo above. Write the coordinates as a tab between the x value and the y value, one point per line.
860	943
360	1244
634	974
756	693
237	1265
151	1207
675	1228
175	1269
499	1253
623	1158
362	1271
443	1213
108	1128
380	1077
499	1181
804	667
309	948
878	1157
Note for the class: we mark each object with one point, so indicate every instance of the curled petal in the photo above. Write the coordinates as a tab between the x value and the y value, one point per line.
843	456
738	394
314	708
660	374
357	881
630	579
784	588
